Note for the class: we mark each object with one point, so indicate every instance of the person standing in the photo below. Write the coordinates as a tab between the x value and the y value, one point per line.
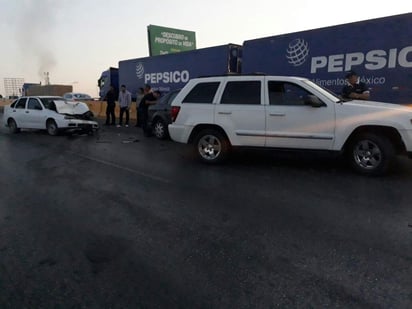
149	99
355	89
125	100
110	98
139	96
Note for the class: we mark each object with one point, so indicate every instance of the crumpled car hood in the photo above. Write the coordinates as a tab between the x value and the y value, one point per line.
71	107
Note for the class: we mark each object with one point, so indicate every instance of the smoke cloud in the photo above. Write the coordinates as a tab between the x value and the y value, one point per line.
36	21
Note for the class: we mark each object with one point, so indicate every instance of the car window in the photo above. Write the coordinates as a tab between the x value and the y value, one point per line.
242	92
171	97
21	103
285	93
12	105
34	104
202	93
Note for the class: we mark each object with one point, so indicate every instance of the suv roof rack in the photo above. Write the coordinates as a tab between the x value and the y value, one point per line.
234	74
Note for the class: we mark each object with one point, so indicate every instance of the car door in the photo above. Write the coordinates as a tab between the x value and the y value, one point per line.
241	113
18	113
35	114
290	123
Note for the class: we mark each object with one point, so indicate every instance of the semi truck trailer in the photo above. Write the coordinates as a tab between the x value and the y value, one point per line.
173	71
378	50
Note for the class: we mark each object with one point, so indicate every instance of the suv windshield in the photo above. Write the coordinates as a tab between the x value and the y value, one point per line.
326	92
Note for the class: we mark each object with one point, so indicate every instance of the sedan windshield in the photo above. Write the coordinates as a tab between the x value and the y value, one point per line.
49	102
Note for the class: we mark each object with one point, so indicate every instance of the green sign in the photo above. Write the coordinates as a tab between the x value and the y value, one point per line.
164	40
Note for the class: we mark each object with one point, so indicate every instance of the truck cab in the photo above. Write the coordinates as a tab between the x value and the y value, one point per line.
107	78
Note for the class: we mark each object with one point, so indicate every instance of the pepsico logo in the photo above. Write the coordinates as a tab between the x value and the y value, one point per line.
140	70
297	52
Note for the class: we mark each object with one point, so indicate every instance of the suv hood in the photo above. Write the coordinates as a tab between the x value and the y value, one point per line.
70	107
378	104
370	112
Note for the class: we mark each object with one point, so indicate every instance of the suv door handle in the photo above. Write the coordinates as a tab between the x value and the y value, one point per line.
225	113
27	112
277	114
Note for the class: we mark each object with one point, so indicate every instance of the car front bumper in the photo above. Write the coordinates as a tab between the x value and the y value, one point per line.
79	125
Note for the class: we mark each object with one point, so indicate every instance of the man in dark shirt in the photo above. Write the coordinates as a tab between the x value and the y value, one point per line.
111	104
355	89
149	99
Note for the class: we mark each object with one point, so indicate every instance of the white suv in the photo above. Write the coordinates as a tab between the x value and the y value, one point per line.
217	113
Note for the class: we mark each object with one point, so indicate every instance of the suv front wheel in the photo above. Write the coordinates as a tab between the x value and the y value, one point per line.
211	146
371	154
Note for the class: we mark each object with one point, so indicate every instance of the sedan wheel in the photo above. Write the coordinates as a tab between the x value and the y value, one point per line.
13	126
159	129
52	128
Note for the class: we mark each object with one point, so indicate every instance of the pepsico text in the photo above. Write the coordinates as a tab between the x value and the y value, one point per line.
372	60
167	77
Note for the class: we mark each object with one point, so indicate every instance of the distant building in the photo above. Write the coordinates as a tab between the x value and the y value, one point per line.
13	86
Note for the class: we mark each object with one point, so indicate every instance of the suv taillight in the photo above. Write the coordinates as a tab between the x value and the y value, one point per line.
174	112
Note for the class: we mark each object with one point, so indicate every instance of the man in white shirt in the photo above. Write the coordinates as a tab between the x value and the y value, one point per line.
125	100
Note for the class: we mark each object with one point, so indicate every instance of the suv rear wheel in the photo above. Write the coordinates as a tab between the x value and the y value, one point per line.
371	154
211	146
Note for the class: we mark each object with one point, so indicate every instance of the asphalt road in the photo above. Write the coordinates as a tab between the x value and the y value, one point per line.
118	220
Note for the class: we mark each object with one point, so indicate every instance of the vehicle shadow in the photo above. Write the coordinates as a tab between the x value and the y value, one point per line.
314	161
309	161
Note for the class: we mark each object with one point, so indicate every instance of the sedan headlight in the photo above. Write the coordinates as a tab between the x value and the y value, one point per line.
69	117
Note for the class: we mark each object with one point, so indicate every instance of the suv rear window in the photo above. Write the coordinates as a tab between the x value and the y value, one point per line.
242	92
202	93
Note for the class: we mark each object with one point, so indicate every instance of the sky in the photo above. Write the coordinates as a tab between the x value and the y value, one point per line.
75	40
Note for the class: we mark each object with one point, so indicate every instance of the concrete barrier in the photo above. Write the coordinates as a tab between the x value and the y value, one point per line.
99	109
4	102
95	107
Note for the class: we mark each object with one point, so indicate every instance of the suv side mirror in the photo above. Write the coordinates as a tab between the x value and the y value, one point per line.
313	101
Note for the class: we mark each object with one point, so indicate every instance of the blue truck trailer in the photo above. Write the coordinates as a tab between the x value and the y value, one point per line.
107	78
173	71
378	50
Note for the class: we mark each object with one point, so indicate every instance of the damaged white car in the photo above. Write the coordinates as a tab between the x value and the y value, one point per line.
54	114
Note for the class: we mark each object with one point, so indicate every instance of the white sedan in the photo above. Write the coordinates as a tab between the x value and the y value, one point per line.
53	114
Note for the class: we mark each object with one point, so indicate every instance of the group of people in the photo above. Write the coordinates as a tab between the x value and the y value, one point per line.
145	98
